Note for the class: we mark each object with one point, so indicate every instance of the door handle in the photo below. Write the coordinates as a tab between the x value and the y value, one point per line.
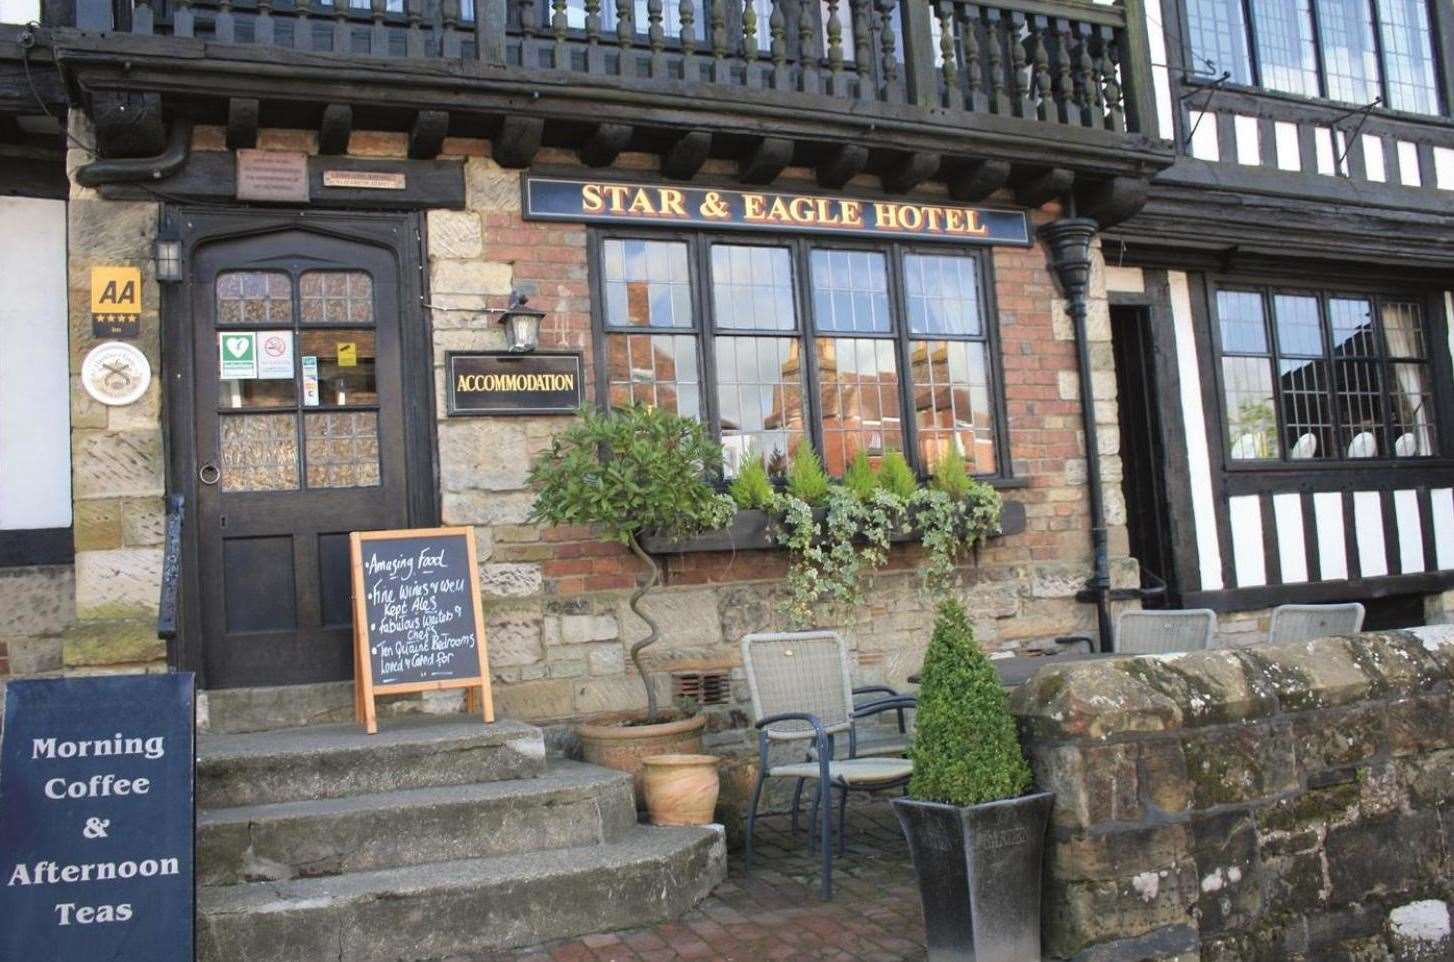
209	473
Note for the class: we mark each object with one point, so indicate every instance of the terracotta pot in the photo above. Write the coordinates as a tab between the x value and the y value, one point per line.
680	789
623	747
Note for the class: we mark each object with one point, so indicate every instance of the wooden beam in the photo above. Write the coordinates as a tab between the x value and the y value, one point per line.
910	171
1112	201
517	141
426	139
242	123
335	128
605	144
843	163
685	157
978	179
128	124
1035	186
766	161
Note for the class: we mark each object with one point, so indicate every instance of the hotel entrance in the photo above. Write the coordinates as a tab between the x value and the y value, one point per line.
297	436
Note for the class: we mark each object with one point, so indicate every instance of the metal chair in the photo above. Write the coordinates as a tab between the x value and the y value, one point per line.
801	692
1159	632
1293	623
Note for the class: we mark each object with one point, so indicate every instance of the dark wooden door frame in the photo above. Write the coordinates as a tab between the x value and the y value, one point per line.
399	234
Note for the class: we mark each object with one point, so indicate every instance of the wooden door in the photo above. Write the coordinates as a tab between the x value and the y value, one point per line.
299	420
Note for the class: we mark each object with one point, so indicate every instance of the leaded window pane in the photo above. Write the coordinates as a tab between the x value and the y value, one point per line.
1218	39
942	295
752	288
648	283
1408	56
1244	327
1403	329
1251	417
1351	320
850	291
659	370
759	398
858	381
1286	56
1350	55
1307	410
951	394
1359	393
1299	328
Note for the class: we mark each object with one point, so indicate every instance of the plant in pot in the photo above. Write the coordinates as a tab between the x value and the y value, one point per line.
628	472
975	830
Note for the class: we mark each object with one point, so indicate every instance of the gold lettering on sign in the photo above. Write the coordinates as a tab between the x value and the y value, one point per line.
928	218
491	383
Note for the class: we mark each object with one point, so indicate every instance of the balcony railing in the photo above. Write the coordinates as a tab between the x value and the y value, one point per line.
1060	62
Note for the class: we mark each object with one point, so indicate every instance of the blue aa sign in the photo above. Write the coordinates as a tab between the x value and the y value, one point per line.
96	819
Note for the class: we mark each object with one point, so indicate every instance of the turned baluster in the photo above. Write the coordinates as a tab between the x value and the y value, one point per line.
777	26
414	34
948	58
625	33
717	39
559	27
807	47
595	59
184	21
143	19
529	25
1024	91
342	34
224	27
752	73
656	37
862	51
834	30
1040	93
378	33
1064	82
1084	67
999	82
687	16
969	27
449	43
1115	109
892	81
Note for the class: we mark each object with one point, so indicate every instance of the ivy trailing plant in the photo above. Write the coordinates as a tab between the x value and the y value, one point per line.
966	748
848	536
628	472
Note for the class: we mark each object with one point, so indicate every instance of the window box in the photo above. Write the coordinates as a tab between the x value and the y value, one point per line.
751	531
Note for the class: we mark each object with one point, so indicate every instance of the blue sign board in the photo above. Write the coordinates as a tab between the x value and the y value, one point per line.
96	819
623	202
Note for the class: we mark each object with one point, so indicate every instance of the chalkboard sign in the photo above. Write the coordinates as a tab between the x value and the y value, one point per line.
96	819
417	619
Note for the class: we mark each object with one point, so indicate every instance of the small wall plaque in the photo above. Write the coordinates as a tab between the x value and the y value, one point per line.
115	301
498	382
365	179
115	374
272	175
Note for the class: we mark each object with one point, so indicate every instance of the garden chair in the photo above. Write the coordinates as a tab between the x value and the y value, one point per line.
1292	623
1159	632
801	692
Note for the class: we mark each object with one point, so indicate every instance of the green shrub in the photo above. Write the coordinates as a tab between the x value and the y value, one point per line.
859	478
966	748
951	475
807	481
896	477
751	489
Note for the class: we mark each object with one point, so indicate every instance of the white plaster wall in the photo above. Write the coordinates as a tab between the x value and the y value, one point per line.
35	454
19	11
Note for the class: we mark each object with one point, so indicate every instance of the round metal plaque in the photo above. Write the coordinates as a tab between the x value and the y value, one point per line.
115	373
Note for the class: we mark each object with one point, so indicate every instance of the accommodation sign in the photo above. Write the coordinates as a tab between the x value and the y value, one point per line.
550	198
497	382
96	819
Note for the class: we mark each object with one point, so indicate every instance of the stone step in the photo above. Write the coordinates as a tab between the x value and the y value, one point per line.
232	710
335	761
428	912
572	804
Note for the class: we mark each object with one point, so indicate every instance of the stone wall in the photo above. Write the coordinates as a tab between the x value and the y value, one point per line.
1265	804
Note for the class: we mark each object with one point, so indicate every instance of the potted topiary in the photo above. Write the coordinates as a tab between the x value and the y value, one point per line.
629	472
975	835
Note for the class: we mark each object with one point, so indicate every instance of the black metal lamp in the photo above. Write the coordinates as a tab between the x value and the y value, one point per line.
168	253
522	325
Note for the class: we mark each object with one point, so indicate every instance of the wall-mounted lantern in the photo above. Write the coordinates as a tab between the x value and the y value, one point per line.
522	325
168	252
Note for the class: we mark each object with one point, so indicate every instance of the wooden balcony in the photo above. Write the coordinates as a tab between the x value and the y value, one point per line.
1039	94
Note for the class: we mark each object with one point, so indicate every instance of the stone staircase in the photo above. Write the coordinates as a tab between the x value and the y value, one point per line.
439	836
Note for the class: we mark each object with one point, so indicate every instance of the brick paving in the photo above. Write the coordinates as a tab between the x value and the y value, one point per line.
775	913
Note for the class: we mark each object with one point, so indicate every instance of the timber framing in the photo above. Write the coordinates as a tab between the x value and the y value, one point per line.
599	116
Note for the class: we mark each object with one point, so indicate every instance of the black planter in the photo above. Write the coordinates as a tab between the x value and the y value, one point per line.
979	875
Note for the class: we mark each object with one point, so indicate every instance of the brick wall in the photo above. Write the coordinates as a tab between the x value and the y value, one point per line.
1267	804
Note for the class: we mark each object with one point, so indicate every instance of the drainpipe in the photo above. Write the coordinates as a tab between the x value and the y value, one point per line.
1069	241
140	169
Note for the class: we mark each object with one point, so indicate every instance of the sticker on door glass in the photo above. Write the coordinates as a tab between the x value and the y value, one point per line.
310	380
347	354
275	355
238	352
